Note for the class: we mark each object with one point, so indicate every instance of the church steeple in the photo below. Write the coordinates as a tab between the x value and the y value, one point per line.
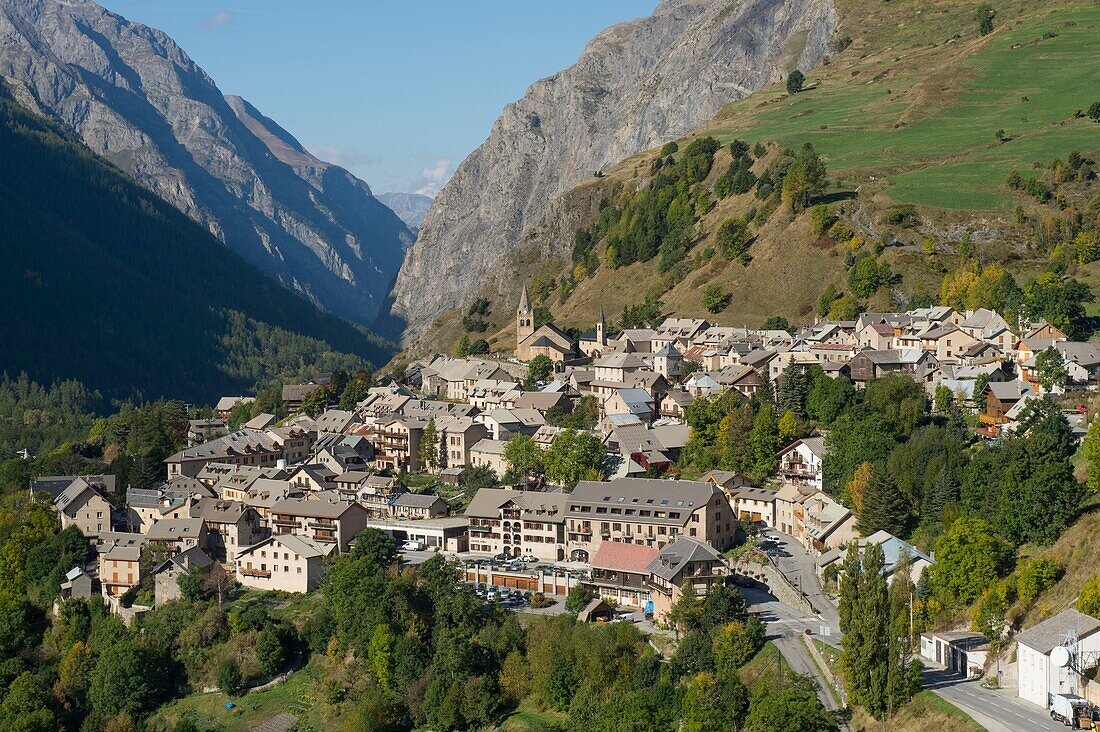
601	330
524	301
525	320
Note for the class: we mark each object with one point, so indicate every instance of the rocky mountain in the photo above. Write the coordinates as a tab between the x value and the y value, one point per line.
883	115
106	283
136	98
635	85
409	207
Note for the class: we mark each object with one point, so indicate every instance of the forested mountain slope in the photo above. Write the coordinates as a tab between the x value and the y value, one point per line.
136	98
105	283
918	117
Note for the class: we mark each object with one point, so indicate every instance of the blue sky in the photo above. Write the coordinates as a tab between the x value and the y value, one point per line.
398	92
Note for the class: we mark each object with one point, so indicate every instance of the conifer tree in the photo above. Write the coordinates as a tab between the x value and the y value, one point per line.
429	446
764	443
884	508
793	388
943	492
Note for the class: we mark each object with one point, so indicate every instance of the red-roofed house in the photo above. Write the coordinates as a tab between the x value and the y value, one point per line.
620	571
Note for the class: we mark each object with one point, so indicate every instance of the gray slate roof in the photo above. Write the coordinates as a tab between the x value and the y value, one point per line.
679	553
1052	631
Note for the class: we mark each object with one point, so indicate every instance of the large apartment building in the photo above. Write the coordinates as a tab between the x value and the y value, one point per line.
518	523
318	519
648	512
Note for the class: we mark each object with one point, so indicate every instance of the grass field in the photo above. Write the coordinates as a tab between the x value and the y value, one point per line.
914	111
294	696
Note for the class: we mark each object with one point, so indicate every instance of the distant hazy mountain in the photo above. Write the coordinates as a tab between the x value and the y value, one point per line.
136	98
409	207
106	283
636	85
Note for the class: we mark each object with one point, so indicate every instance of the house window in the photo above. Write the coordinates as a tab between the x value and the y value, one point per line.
299	570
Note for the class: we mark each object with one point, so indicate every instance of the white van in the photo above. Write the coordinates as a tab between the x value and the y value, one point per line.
412	546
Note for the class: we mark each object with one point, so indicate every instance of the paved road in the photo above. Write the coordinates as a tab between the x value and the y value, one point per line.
785	627
801	569
997	710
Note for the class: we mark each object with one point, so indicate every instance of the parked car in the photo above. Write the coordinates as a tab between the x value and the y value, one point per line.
502	557
412	546
491	596
480	590
527	558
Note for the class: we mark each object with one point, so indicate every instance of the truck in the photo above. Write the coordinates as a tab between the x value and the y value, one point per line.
1073	711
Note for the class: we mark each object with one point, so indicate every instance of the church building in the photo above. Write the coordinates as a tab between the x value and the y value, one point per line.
546	340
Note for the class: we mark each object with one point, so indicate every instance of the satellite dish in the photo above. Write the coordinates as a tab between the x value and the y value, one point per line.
1060	656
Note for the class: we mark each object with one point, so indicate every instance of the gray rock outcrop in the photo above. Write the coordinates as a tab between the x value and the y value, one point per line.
636	85
137	99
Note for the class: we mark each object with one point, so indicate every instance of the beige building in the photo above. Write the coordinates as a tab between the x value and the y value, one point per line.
166	576
491	454
82	506
323	521
646	511
546	340
518	523
230	526
458	435
178	534
243	447
119	568
284	562
683	561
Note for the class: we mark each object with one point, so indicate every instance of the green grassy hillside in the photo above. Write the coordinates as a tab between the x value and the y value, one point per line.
919	119
913	107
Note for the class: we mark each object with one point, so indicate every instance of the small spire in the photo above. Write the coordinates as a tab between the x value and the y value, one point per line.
524	304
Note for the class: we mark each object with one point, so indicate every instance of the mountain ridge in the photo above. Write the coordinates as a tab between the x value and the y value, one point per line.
114	287
135	97
636	84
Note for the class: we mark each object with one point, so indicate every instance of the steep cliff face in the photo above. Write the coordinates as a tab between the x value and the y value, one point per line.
635	85
409	207
136	98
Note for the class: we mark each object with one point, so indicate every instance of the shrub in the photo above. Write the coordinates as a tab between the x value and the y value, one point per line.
715	300
229	677
795	80
821	218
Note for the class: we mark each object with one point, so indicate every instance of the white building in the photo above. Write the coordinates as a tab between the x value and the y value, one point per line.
800	462
1040	675
284	562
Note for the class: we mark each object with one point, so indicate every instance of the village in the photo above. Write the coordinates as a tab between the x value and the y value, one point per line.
422	458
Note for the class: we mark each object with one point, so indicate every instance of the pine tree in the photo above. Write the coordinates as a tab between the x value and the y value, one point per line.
763	443
793	388
904	675
429	441
874	618
943	492
884	508
1091	453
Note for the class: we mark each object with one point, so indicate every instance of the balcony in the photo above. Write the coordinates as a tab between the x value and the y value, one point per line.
250	572
286	521
480	529
325	539
798	470
323	525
